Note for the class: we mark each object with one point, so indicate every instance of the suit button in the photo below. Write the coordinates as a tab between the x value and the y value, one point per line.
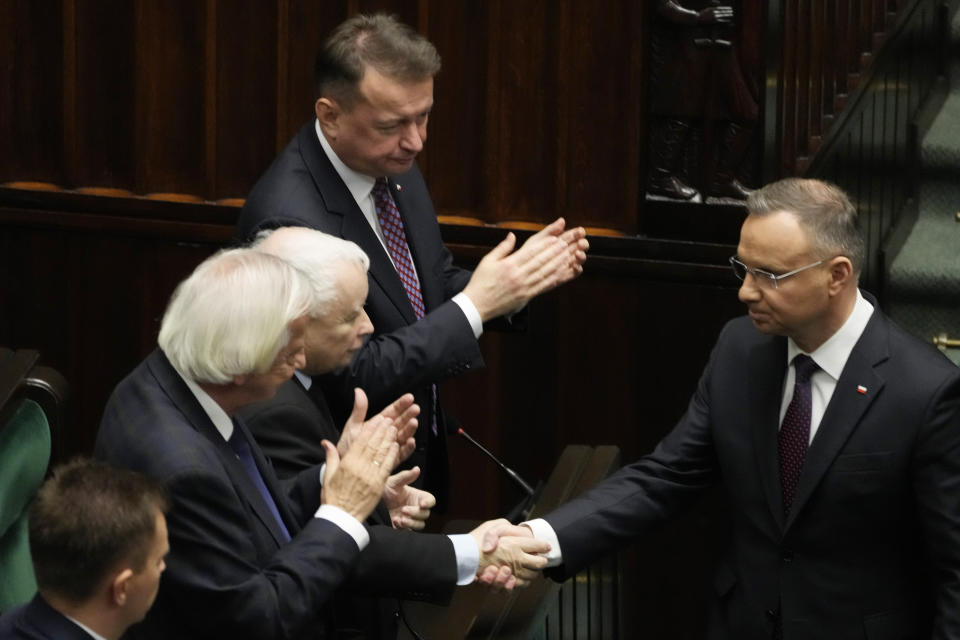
466	366
771	613
786	555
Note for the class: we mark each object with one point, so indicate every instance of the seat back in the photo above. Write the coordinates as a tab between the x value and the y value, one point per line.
30	423
24	459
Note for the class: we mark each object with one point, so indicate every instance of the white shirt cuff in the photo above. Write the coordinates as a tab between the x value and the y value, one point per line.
543	531
468	557
345	521
466	305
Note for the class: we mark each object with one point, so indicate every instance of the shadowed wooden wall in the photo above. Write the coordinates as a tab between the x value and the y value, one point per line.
129	129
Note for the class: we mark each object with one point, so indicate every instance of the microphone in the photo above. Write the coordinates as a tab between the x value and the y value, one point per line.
507	470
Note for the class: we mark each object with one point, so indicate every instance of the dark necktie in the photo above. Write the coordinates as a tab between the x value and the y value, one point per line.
238	442
392	226
795	430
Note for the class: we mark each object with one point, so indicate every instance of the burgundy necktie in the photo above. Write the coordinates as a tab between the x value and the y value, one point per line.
795	430
392	226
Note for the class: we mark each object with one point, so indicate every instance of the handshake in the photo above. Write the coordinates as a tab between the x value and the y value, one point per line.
509	554
358	476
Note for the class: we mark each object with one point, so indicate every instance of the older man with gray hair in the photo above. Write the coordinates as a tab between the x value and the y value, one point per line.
251	557
292	426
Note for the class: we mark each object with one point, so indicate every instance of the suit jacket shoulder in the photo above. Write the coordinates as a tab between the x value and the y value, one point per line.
37	620
228	571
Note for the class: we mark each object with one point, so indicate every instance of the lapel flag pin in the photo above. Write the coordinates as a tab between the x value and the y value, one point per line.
399	188
861	389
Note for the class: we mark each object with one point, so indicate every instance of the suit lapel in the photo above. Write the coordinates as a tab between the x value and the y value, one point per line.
768	365
178	391
353	225
846	408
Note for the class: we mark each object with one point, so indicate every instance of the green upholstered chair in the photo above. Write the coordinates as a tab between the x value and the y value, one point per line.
30	424
24	459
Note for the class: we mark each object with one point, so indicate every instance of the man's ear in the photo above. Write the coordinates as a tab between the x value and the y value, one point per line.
841	272
119	587
328	113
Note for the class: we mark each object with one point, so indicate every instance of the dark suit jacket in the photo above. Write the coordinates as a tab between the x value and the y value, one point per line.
229	574
302	188
289	428
37	620
871	548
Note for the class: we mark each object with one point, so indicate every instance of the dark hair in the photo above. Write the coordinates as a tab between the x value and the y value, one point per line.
87	519
379	41
822	209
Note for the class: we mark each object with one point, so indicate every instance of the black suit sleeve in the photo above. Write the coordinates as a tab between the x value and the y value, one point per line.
220	579
406	564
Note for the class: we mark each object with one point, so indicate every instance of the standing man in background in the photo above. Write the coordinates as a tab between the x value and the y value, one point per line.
352	173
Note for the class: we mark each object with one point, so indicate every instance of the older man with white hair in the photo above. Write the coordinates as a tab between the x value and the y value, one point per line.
250	557
292	425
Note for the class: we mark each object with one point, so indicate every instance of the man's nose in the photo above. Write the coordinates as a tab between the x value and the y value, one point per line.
748	292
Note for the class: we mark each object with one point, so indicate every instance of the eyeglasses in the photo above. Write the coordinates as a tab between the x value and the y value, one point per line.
765	278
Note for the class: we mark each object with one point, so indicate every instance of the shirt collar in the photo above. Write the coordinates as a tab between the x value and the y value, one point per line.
833	354
357	183
90	632
214	411
304	379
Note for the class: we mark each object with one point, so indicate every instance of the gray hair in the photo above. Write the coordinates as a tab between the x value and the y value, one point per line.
822	209
231	316
317	255
379	41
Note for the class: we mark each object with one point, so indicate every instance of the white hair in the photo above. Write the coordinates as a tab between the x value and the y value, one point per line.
318	255
231	317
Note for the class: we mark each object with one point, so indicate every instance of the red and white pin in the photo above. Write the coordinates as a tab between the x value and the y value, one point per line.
861	389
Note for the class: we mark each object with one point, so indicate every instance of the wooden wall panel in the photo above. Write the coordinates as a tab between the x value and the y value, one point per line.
102	151
245	97
170	107
599	109
31	101
302	25
453	157
520	157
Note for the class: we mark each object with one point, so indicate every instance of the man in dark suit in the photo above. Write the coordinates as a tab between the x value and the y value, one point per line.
836	435
352	173
98	539
291	426
252	557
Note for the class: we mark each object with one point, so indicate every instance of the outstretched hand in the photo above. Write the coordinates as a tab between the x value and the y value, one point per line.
409	507
509	554
505	279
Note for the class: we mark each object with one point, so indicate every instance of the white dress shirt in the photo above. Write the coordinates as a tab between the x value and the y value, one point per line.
831	357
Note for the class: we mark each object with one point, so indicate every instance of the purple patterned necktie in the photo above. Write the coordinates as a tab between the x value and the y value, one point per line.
795	430
392	226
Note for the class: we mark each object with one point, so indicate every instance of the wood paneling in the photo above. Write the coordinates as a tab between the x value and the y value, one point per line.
101	124
170	109
31	103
